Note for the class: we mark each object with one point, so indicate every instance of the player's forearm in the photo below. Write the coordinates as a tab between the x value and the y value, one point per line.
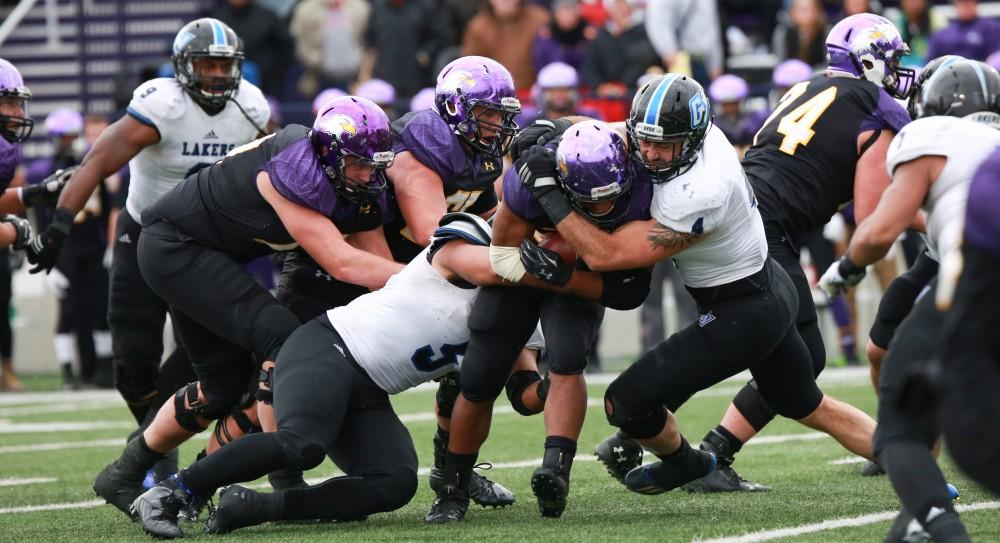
10	202
595	246
84	181
8	234
359	268
870	243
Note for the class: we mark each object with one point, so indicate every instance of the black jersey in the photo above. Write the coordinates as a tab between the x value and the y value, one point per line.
802	161
467	177
220	206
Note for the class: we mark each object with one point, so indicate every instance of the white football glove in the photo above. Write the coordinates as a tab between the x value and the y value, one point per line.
840	276
58	282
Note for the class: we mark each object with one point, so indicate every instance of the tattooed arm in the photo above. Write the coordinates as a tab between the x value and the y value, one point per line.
636	244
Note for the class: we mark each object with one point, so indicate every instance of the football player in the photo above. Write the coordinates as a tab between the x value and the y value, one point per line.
596	174
299	186
173	127
334	376
932	162
704	216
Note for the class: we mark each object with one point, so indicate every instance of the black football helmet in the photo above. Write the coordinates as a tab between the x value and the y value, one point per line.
208	38
670	108
960	89
913	103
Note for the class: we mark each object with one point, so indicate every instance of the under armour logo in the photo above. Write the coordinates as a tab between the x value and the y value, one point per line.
320	274
619	452
489	166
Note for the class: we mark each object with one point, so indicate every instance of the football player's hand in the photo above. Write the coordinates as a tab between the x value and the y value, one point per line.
22	230
46	192
44	248
537	170
544	264
539	132
840	276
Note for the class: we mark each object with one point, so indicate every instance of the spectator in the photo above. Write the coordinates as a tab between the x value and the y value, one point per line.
691	26
565	38
803	37
505	30
265	39
728	93
423	99
756	18
403	39
854	7
381	92
620	53
324	97
556	94
785	75
457	14
328	41
914	24
968	35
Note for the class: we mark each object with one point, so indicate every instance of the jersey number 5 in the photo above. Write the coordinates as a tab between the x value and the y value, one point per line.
797	124
423	358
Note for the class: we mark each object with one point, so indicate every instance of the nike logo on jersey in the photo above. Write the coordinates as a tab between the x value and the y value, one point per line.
211	135
206	149
703	320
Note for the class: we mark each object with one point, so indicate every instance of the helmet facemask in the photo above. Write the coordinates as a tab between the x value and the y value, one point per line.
886	72
15	128
359	190
472	129
211	92
685	150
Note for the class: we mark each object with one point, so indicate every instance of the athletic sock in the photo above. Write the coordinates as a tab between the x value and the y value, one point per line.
723	444
559	453
457	469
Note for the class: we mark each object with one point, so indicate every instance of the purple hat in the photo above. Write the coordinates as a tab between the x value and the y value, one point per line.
14	129
595	167
472	81
356	127
378	91
557	75
325	96
423	99
63	122
869	46
994	60
790	72
728	88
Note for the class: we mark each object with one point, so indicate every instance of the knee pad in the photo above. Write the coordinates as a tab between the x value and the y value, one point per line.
241	419
637	422
752	406
397	487
299	453
447	392
136	383
516	385
187	407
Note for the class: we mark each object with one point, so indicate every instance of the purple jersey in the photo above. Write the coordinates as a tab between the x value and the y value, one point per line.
982	222
10	157
975	39
522	203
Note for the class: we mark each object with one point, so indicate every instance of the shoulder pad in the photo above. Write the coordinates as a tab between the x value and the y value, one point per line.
254	103
158	100
465	226
921	137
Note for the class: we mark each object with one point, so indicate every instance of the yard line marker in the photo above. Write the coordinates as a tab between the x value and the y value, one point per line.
60	396
51	507
68	407
61	445
7	427
833	524
848	460
28	481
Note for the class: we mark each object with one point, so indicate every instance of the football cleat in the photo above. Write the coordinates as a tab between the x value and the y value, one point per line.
551	487
619	454
484	492
871	469
906	529
157	509
119	487
723	479
660	477
239	507
449	506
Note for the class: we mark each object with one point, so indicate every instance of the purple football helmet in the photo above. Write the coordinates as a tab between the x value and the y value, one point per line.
15	126
728	88
869	46
471	87
790	72
595	171
325	96
378	91
64	122
356	127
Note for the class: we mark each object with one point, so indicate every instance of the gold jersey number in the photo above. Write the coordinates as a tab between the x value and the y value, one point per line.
797	124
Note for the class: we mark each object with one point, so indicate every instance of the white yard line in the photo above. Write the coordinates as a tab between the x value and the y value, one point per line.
60	396
69	407
60	445
833	524
28	481
7	427
848	460
51	507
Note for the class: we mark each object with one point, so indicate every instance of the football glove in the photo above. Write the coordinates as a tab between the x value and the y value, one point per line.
22	229
544	264
537	170
840	276
46	192
44	249
539	132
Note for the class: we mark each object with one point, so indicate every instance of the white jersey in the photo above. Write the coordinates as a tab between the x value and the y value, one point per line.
713	198
190	139
410	331
965	144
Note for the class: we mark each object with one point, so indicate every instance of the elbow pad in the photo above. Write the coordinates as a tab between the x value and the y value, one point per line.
506	262
625	289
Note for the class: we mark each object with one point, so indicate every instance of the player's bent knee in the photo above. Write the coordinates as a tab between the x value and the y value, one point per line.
749	402
637	421
518	382
300	453
398	487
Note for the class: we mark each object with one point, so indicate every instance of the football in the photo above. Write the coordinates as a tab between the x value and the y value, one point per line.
555	242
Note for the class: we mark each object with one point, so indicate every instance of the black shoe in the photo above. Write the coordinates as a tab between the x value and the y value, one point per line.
619	454
660	477
239	507
158	509
286	479
119	487
551	487
871	469
449	506
724	479
484	492
906	529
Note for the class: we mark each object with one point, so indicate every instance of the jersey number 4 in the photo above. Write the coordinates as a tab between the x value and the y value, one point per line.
424	358
796	125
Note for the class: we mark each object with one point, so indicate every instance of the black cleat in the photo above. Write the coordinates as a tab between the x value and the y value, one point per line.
660	477
724	479
484	492
551	488
906	529
239	507
871	469
449	506
158	508
619	454
119	487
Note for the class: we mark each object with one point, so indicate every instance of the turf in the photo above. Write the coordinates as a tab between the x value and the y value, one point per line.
807	488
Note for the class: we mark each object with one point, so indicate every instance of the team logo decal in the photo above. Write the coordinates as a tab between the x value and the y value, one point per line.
181	41
342	124
459	79
699	110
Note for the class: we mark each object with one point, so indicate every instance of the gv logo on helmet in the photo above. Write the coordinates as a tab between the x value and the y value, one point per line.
699	110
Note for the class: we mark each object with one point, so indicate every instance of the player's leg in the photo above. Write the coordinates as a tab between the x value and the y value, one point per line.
8	379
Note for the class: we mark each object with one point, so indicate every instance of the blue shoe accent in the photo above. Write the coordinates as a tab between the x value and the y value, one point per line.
149	481
715	464
953	493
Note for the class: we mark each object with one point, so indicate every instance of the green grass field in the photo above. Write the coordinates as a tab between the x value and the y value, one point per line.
808	488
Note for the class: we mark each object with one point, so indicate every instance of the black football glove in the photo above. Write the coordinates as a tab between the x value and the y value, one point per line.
44	249
544	264
46	192
22	228
539	132
537	170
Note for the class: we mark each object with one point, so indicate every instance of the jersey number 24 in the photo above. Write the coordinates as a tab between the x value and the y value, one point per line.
796	125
